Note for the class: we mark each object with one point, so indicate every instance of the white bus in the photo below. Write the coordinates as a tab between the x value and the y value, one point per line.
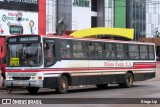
36	61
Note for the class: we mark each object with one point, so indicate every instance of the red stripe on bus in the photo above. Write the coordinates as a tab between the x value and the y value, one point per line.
76	69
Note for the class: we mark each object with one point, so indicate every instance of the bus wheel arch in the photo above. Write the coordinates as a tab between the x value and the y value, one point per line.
128	82
63	83
68	77
131	73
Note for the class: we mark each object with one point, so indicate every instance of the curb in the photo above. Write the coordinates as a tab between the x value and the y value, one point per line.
3	88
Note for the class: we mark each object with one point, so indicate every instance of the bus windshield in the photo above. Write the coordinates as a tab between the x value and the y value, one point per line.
24	55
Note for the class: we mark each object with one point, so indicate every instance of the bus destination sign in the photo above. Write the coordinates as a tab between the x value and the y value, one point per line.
49	41
12	40
26	39
23	39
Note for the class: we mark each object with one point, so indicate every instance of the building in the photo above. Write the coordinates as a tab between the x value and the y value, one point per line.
142	15
152	33
20	17
80	14
152	17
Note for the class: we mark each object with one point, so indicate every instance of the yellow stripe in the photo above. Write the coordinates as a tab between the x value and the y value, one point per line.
93	32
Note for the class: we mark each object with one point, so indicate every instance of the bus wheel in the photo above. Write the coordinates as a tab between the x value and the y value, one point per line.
32	90
62	85
128	81
102	86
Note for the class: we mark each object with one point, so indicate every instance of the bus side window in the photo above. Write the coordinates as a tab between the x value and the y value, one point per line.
143	52
151	52
133	51
110	51
64	53
65	49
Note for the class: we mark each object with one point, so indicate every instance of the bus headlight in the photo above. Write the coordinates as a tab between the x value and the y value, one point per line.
8	77
37	78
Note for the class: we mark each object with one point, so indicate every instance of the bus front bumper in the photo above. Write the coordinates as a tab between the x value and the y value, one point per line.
24	83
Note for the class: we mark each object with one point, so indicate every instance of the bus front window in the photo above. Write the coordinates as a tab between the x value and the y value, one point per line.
24	55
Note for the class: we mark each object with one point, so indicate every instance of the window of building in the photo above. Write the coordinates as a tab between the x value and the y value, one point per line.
93	21
110	3
94	5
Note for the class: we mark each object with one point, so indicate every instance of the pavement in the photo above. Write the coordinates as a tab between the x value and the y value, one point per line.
157	77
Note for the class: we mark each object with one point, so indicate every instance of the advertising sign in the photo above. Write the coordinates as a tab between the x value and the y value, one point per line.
14	22
26	5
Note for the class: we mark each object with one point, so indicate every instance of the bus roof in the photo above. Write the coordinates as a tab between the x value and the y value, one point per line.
87	39
98	39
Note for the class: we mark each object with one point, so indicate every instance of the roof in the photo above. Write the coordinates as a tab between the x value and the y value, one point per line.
156	41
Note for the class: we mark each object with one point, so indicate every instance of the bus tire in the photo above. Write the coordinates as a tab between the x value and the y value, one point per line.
32	90
128	81
62	85
102	86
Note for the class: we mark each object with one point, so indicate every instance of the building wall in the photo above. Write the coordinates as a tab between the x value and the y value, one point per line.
139	18
109	13
131	14
51	15
120	13
81	16
42	17
100	13
64	11
152	18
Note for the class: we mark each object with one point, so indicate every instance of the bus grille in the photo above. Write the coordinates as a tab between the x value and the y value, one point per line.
21	78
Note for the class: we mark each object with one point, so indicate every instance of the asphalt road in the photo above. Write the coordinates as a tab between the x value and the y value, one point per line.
140	94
